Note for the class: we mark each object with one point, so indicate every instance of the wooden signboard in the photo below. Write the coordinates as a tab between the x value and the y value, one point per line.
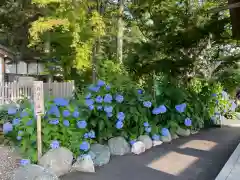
39	110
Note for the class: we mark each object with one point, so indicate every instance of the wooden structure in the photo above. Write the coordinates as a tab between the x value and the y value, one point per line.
11	92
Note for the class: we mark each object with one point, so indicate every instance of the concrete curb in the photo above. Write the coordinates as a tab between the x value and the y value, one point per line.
229	166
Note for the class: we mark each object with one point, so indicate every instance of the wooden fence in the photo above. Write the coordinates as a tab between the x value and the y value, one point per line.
11	92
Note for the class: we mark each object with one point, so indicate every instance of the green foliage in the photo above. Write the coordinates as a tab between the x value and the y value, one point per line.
54	127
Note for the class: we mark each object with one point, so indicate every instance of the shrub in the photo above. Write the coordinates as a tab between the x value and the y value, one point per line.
62	125
103	112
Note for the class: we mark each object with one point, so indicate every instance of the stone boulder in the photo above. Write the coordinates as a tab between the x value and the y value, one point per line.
118	146
157	143
57	160
183	132
174	136
138	147
33	172
83	164
100	154
166	139
147	141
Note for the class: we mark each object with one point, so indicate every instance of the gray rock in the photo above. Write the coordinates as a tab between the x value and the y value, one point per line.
174	136
83	164
194	131
33	172
157	143
166	139
138	147
118	146
100	154
58	160
147	141
46	176
183	132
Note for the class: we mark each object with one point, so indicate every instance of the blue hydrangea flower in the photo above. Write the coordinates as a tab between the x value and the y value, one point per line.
233	106
109	115
165	132
66	123
119	98
82	124
85	135
94	88
224	94
181	107
91	134
156	137
54	111
29	123
119	125
214	94
163	109
24	162
188	122
54	121
146	124
16	121
99	108
20	133
108	87
23	114
107	98
156	111
7	127
91	107
89	102
76	114
108	109
55	144
159	110
147	104
19	138
148	129
66	113
217	113
12	111
61	101
100	83
84	146
99	99
121	116
140	91
88	96
132	141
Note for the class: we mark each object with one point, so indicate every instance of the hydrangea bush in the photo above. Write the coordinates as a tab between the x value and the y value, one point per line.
103	112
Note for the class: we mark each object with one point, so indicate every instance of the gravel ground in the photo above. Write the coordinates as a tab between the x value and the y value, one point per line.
8	161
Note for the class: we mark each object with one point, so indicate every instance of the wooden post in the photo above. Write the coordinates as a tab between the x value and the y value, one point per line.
39	136
39	110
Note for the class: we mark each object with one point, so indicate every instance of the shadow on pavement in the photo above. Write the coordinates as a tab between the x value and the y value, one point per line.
198	157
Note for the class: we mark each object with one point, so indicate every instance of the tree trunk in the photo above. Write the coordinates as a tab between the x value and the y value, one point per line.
120	32
235	15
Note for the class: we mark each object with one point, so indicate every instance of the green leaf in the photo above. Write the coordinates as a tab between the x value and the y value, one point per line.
101	125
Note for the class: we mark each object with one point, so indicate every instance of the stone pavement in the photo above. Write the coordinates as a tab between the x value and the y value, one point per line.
198	157
231	170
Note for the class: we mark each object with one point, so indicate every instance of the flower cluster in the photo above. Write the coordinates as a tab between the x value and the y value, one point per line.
159	110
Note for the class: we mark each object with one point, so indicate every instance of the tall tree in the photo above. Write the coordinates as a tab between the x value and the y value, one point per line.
120	32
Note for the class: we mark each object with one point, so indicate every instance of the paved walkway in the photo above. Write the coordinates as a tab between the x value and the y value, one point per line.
198	157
